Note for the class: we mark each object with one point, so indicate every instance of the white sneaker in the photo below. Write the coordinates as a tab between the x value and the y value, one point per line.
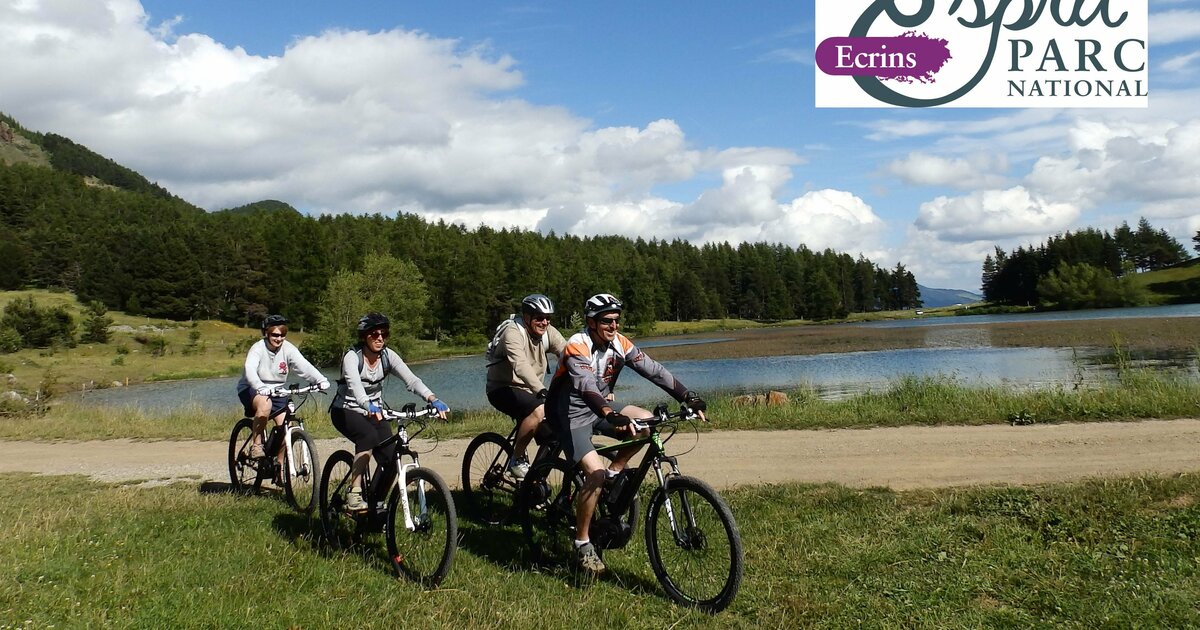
518	467
354	501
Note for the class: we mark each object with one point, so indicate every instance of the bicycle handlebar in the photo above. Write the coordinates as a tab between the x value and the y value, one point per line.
408	412
295	389
663	416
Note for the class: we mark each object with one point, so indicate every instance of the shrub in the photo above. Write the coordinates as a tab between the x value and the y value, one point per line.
39	327
10	339
95	323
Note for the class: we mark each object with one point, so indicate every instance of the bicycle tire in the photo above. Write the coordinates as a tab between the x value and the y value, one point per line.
488	490
338	526
709	535
243	470
425	553
302	487
546	505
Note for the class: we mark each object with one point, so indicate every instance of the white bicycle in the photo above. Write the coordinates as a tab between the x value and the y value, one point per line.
418	518
299	475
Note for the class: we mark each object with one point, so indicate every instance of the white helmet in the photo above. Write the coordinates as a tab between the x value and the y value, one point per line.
601	303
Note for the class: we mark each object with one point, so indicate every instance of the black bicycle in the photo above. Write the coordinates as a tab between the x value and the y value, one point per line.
299	475
486	483
416	513
692	540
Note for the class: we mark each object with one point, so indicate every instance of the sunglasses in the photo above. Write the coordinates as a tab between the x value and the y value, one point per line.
539	318
609	321
277	335
378	334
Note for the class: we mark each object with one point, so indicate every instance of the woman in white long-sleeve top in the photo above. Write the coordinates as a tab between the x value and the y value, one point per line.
268	364
357	409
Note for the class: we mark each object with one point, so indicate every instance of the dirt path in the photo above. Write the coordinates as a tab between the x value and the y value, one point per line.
900	458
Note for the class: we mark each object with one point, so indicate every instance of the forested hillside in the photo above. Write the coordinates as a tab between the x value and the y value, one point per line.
1085	269
134	246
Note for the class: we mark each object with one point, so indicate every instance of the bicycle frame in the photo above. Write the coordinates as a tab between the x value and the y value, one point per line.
655	457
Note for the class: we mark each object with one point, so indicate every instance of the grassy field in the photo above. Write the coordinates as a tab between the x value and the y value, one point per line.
1177	284
199	349
909	401
1114	553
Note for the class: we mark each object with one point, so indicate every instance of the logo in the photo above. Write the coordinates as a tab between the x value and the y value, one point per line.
981	53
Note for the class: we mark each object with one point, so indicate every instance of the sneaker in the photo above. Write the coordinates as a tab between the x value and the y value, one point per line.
588	559
256	451
354	501
518	467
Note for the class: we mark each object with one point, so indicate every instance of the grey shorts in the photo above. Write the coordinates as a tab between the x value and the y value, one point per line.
576	443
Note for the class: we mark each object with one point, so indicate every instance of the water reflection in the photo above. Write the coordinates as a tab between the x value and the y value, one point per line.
460	381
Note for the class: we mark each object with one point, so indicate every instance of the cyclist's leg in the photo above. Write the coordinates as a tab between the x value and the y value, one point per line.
524	408
360	430
525	430
579	448
262	410
622	433
386	459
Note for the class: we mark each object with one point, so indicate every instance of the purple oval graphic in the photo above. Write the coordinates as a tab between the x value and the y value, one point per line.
907	58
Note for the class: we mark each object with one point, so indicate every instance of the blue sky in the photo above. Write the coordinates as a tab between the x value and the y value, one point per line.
672	120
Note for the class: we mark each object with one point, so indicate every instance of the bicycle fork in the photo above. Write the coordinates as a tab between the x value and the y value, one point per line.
402	494
682	538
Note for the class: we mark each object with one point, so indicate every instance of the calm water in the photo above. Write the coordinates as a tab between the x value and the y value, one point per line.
460	381
1175	310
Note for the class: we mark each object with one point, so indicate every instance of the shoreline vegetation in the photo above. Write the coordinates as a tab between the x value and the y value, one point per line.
1136	395
143	350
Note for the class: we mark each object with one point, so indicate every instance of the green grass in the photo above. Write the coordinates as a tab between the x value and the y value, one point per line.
1178	284
909	401
1112	553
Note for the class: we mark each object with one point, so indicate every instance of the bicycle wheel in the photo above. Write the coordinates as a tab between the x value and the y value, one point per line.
338	525
546	504
302	486
422	542
694	545
488	489
243	469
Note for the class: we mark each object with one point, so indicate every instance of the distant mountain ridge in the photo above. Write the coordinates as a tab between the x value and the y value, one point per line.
932	297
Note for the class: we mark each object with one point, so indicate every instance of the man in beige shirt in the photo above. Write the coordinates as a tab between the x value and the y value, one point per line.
517	367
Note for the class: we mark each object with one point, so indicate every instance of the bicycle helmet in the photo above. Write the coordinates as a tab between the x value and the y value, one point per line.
537	304
601	303
272	321
371	321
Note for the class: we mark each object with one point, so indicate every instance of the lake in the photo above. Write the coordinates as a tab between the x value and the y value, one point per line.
970	361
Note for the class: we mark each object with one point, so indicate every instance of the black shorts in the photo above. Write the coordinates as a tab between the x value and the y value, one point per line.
363	431
514	403
278	405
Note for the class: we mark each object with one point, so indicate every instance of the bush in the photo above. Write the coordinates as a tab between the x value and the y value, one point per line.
39	327
95	323
10	339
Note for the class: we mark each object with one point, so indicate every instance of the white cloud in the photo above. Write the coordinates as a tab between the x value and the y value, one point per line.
1155	165
993	214
978	170
1176	25
1180	63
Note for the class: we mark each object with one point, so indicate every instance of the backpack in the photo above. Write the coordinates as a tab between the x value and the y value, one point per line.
383	356
494	353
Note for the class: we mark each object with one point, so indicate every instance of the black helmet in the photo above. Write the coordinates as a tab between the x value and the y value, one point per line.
272	321
601	303
537	304
371	321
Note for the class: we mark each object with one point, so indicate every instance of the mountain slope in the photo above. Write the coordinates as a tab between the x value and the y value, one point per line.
932	297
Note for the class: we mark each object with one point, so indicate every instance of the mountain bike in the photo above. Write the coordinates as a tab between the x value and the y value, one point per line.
299	475
488	487
416	513
692	540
